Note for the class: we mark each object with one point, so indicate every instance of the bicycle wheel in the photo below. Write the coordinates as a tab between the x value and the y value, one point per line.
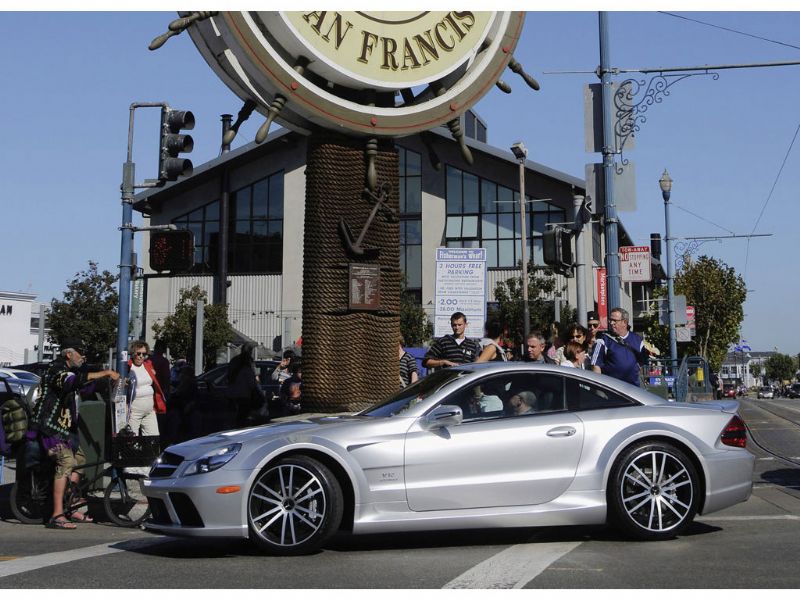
31	496
124	502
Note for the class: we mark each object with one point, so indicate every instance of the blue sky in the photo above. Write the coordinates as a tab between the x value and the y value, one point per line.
69	79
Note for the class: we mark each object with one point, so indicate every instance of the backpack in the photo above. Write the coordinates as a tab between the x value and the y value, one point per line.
14	416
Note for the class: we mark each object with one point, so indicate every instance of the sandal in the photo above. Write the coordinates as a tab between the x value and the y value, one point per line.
56	523
79	517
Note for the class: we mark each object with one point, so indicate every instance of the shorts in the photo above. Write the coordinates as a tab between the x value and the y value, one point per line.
66	460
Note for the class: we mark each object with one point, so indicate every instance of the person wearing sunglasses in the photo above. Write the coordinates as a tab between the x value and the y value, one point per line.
145	396
577	334
619	352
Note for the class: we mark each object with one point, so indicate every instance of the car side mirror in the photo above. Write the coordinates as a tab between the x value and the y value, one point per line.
444	415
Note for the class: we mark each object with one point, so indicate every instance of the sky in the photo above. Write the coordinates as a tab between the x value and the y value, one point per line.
728	144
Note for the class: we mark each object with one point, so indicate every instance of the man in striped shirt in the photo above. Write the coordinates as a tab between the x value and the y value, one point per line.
452	350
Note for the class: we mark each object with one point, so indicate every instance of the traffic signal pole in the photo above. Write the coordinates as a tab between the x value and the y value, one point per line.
128	189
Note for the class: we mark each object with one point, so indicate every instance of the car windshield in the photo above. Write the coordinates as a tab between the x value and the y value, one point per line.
404	399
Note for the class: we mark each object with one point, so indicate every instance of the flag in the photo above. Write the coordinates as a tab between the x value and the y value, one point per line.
744	346
737	348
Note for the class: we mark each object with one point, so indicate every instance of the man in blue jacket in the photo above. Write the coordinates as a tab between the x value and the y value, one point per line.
619	352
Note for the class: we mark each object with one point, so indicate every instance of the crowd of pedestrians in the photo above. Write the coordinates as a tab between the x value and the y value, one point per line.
617	352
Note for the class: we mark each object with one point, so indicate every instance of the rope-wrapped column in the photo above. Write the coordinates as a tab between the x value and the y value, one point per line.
349	357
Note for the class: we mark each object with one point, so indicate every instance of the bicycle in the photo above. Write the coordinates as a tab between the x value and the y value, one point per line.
123	501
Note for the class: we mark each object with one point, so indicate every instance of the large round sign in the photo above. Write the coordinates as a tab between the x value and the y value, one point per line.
374	73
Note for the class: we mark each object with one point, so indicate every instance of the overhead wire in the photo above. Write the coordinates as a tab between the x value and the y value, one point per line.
758	37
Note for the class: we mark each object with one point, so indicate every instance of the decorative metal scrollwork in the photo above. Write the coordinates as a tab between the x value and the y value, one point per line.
684	249
633	98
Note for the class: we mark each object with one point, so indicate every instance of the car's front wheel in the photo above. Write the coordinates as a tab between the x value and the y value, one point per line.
294	505
653	491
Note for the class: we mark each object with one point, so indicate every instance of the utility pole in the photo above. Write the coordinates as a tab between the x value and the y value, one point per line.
580	260
609	146
521	152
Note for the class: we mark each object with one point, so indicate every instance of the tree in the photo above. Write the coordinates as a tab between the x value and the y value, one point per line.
717	293
414	324
178	329
88	311
780	367
541	287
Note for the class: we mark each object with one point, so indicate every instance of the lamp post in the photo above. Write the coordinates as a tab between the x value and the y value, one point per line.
666	187
521	153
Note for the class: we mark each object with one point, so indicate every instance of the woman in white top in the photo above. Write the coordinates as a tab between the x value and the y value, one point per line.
145	397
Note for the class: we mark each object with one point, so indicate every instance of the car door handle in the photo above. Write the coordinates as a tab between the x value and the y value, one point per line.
561	432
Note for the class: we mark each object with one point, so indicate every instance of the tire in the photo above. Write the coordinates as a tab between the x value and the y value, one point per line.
31	497
124	502
280	521
653	507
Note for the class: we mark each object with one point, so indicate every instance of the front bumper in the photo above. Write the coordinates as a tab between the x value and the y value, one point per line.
192	506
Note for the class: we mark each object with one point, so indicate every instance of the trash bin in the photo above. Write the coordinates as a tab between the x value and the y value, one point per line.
93	428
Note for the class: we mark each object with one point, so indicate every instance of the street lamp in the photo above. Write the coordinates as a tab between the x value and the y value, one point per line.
666	187
521	153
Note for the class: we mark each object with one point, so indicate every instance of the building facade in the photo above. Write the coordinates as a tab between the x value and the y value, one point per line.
458	205
19	329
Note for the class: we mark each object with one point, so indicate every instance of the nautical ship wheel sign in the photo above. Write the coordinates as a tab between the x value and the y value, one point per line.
374	74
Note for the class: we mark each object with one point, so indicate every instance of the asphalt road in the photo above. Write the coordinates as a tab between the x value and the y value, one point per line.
752	545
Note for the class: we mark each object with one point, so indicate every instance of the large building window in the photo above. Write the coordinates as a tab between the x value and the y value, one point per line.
255	229
483	214
204	223
411	220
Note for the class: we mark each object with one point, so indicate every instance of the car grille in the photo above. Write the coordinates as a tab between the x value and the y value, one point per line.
166	465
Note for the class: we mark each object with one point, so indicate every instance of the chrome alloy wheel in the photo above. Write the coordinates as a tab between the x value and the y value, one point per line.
287	505
657	492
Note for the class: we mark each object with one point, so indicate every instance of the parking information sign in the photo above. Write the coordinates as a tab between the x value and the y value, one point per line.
634	263
460	287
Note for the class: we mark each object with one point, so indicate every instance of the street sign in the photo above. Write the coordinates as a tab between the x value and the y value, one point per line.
460	287
634	263
624	187
690	322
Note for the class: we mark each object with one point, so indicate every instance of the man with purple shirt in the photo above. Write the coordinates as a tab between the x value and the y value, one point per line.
55	422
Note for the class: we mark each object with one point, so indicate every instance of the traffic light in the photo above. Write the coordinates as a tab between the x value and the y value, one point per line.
171	250
557	249
170	165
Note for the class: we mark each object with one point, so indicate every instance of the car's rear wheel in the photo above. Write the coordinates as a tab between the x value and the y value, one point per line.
653	491
294	505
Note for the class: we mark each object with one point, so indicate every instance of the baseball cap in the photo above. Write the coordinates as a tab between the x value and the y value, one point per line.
75	343
592	316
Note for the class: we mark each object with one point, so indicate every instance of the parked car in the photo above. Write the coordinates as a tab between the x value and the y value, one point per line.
794	390
213	384
586	450
765	392
23	380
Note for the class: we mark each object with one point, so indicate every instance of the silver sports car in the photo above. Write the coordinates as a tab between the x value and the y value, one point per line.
488	445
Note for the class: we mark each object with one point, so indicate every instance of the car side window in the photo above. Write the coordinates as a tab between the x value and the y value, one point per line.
584	395
511	395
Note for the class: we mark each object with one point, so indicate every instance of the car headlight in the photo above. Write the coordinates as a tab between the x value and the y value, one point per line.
213	460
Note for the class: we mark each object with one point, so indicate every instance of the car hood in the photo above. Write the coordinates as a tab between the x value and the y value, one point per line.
311	426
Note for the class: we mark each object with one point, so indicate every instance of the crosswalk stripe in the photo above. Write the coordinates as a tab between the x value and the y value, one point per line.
512	568
40	561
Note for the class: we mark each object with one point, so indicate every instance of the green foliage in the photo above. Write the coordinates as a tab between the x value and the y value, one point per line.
541	287
88	311
780	367
717	293
178	329
415	328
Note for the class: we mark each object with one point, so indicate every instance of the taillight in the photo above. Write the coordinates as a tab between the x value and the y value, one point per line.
735	433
